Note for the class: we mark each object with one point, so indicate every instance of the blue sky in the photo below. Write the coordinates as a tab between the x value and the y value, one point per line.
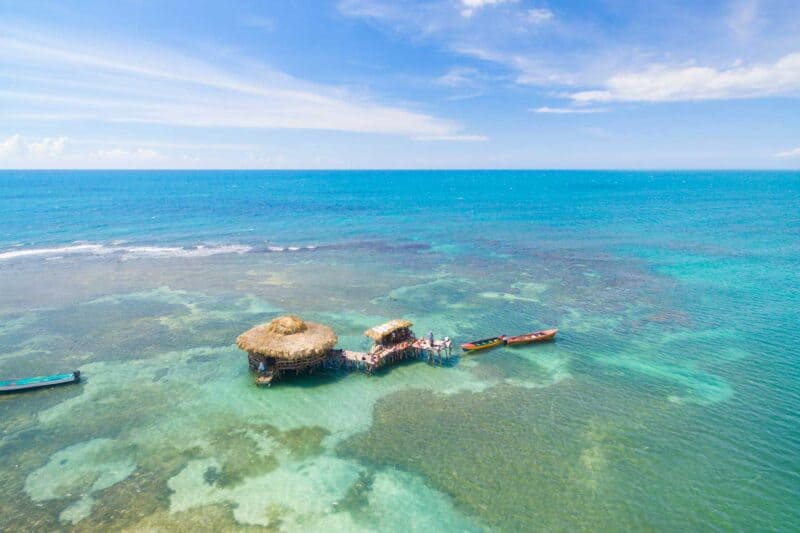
394	84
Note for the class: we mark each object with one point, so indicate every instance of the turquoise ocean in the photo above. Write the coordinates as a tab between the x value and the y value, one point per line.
669	402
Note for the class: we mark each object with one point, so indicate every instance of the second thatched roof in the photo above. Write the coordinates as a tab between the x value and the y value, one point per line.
378	332
288	338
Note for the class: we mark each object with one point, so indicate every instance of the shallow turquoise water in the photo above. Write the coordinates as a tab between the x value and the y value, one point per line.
670	400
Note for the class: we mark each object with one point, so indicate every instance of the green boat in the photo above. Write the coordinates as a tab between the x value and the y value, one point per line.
23	384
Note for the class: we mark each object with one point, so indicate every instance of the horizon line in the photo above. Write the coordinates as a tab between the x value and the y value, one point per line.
414	169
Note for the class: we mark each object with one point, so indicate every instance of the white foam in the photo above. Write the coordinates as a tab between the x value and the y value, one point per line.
96	249
291	248
177	251
126	252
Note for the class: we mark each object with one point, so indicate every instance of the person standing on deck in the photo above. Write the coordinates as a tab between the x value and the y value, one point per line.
430	339
262	369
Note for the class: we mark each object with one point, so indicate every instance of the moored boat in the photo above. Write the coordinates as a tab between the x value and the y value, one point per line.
484	344
538	336
23	384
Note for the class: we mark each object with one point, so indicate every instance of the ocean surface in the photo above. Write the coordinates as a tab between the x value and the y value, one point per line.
669	402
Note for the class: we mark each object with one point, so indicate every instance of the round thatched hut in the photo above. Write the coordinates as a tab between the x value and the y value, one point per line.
286	343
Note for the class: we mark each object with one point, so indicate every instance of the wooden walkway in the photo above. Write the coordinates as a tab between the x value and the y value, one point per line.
369	362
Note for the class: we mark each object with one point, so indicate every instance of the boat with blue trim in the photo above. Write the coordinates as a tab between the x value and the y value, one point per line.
24	384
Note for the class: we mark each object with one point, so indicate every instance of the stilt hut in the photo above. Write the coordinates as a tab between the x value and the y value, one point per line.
389	334
286	344
393	340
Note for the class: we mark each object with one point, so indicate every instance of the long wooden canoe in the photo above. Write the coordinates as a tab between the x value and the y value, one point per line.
23	384
539	336
484	344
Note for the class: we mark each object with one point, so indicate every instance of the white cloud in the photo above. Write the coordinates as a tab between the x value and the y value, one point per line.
568	110
471	6
664	84
17	146
51	152
539	15
582	54
789	153
127	83
48	147
453	138
10	146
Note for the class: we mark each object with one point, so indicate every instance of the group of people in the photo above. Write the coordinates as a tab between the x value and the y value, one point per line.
402	334
446	342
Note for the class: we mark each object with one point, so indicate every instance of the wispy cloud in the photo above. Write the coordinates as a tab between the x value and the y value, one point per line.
743	17
123	154
471	6
128	83
529	71
539	15
452	138
459	77
670	84
515	37
568	110
596	132
789	153
262	23
567	49
165	144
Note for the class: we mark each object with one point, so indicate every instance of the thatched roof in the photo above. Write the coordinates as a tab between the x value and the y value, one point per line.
378	332
288	338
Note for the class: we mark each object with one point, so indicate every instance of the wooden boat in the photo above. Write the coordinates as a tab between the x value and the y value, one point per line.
539	336
265	380
23	384
484	344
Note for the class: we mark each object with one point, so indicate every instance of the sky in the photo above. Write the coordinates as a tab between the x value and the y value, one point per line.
400	84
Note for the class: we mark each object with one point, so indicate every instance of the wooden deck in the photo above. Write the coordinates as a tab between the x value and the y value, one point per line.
370	361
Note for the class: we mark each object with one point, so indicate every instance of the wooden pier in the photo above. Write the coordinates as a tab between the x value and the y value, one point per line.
271	355
380	356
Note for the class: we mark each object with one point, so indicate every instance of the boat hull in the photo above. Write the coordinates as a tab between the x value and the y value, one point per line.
482	345
40	382
530	338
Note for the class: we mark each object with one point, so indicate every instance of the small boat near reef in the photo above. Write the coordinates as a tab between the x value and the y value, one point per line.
484	344
23	384
539	336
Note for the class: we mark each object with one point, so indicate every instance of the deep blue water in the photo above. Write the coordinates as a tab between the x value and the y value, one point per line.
47	208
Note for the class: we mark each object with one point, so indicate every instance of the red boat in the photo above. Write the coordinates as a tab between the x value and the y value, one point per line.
539	336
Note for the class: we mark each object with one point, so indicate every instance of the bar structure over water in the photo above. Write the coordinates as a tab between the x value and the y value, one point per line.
288	344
